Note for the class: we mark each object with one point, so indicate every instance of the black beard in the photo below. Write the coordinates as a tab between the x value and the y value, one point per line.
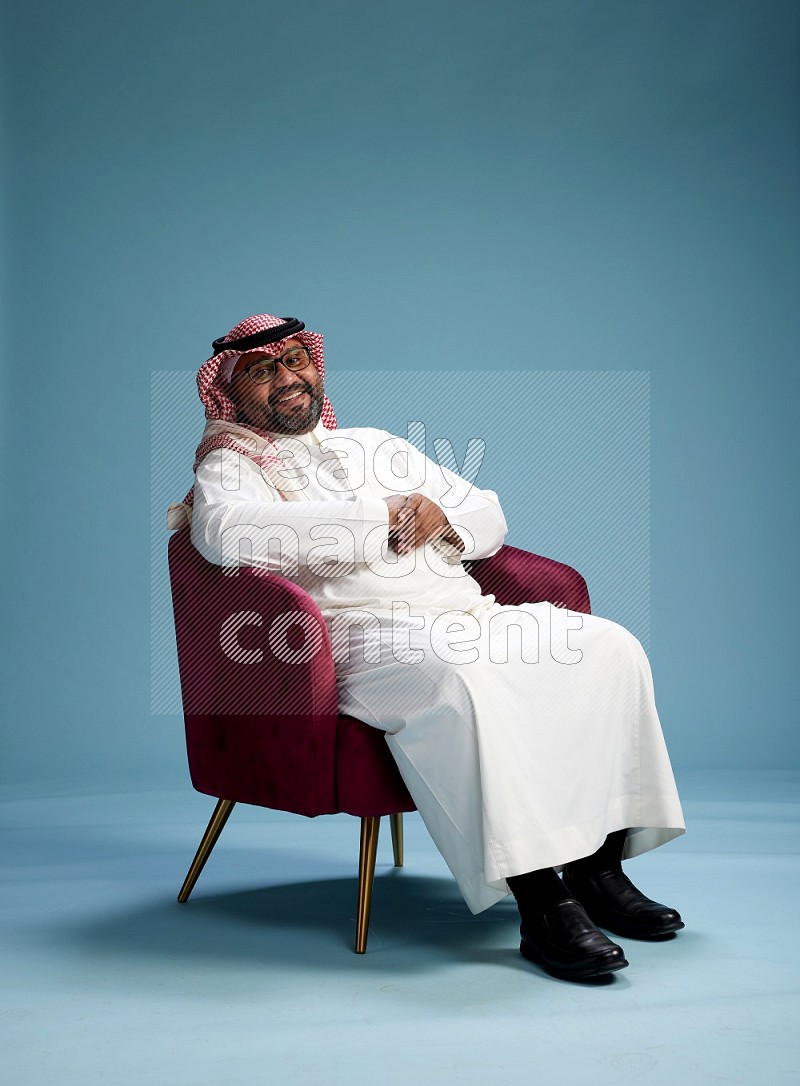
279	422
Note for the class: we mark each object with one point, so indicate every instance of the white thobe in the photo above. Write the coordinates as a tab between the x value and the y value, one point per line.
524	734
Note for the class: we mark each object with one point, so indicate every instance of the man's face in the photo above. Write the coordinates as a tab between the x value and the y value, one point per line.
275	406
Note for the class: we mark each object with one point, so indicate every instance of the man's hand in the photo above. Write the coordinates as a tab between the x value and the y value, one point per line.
419	520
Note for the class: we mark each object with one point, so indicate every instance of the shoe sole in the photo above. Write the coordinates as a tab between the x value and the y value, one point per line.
597	970
636	933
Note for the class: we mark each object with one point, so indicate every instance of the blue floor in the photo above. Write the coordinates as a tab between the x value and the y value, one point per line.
106	979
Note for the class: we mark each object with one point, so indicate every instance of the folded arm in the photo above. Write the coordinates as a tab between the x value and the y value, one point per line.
234	510
465	506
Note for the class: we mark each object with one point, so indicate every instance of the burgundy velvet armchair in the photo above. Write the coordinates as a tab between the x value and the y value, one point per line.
260	704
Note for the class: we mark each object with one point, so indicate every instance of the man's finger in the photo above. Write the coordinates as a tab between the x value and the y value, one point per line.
407	533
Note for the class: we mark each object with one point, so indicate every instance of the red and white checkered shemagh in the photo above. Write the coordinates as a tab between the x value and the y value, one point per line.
212	392
212	389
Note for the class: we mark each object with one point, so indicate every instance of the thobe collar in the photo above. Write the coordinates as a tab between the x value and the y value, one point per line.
330	463
312	438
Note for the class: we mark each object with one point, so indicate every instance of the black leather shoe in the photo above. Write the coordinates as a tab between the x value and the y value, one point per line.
565	942
614	903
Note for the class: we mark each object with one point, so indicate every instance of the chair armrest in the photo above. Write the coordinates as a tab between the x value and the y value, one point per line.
260	708
515	576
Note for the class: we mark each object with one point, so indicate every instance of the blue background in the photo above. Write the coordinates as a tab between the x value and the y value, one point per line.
472	187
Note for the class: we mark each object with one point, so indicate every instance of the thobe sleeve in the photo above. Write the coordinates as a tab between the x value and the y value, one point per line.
236	511
465	505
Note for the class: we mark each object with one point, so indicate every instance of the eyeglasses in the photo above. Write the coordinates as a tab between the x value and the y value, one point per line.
264	370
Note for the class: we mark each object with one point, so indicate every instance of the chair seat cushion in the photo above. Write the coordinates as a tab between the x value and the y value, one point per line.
368	781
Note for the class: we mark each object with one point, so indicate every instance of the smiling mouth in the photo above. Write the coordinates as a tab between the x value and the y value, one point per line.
293	398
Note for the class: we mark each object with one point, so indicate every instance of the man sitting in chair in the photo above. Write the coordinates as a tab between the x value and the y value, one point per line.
536	772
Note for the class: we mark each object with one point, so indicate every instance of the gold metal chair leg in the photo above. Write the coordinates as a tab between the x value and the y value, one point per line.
396	822
370	827
215	828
